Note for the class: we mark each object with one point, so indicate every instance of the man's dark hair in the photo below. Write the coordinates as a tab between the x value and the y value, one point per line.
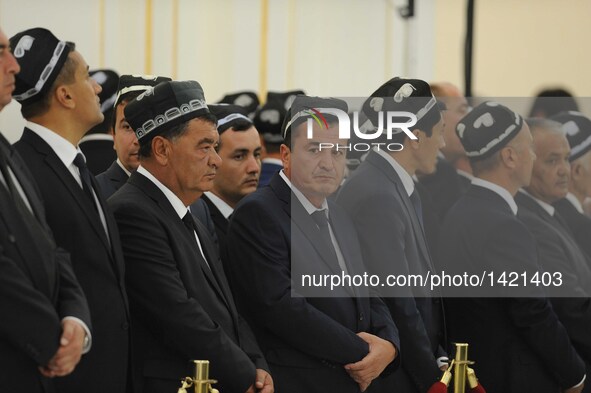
66	76
177	131
125	99
237	126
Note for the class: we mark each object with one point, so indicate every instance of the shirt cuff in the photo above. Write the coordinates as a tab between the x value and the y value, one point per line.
442	361
580	383
88	339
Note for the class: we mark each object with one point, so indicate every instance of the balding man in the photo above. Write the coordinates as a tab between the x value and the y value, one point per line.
516	339
558	250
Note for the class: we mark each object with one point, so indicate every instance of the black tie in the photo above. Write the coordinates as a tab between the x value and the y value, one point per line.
416	203
320	218
190	223
85	177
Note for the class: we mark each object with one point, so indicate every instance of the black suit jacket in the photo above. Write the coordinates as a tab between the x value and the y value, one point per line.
579	224
306	340
37	287
268	170
393	243
518	344
559	252
182	309
97	263
111	180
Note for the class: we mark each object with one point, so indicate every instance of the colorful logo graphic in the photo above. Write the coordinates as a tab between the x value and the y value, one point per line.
317	116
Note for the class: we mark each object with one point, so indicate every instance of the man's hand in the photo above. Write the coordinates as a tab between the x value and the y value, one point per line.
263	383
381	353
69	353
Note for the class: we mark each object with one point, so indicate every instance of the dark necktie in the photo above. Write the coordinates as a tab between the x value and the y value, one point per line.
416	203
85	177
189	222
321	220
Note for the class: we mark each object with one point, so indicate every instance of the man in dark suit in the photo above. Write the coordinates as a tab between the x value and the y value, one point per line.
125	141
517	341
314	341
180	300
578	132
238	176
268	120
452	176
382	199
97	144
45	310
126	144
57	115
558	250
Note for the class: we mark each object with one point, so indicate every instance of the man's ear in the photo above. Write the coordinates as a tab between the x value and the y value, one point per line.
64	97
285	154
414	143
509	157
161	149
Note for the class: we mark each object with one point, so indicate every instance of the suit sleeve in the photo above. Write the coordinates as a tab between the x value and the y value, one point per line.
71	300
382	236
161	301
261	273
534	316
32	323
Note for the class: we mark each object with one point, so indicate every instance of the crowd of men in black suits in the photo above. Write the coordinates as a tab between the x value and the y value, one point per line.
176	252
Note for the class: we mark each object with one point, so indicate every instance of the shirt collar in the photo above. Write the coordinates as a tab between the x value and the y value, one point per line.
310	208
573	199
503	193
178	205
61	146
222	206
128	173
465	174
407	182
546	206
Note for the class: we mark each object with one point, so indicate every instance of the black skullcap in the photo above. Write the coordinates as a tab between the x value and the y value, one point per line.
41	57
108	80
163	107
487	129
578	132
402	95
246	99
229	115
284	98
268	121
136	83
305	107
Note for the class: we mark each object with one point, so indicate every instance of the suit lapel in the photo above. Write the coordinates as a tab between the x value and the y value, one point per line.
154	192
32	194
391	174
216	215
70	183
343	240
306	224
117	176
